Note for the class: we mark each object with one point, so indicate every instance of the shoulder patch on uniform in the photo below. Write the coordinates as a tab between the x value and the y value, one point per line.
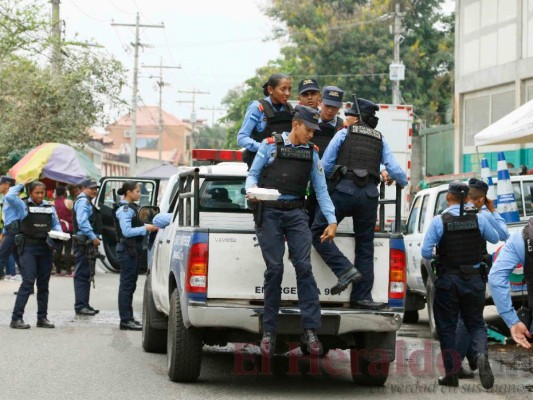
125	207
261	108
271	140
316	148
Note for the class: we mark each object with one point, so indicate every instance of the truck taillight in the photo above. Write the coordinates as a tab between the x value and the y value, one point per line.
197	269
397	274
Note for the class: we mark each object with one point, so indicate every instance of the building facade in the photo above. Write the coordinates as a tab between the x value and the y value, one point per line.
493	75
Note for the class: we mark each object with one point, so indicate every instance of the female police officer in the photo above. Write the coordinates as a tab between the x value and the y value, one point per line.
130	234
266	116
37	217
286	162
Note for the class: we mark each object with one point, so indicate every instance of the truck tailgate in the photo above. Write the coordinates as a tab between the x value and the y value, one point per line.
236	269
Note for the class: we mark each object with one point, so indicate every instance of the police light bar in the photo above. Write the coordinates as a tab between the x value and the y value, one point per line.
216	155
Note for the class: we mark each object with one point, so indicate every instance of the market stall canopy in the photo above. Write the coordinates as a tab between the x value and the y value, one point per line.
162	171
55	161
515	128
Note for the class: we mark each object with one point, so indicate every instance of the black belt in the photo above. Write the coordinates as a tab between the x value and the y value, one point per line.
283	204
34	242
457	271
353	177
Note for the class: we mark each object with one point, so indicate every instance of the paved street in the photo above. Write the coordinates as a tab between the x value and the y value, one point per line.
90	358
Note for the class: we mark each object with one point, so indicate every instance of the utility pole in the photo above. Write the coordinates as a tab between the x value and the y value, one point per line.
397	69
213	109
136	45
161	83
56	37
194	92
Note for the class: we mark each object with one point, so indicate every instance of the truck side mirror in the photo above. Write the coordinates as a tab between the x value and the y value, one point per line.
146	214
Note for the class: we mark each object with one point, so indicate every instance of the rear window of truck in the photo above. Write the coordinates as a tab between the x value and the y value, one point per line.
223	196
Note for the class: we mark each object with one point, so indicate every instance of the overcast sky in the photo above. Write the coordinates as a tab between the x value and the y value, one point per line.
218	43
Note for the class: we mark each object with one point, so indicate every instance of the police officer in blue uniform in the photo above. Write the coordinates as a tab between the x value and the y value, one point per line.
11	226
479	202
37	217
309	93
87	226
329	123
352	162
130	234
517	250
287	162
460	286
266	116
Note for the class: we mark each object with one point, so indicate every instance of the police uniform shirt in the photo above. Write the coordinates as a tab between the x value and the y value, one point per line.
436	230
84	210
162	220
332	122
387	158
497	222
9	212
254	119
19	211
124	216
512	254
266	155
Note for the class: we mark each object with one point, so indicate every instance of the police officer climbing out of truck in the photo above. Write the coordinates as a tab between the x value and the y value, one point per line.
460	286
286	162
265	116
87	226
329	124
37	218
130	233
352	163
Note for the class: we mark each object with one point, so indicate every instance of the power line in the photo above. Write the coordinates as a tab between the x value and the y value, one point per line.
87	15
120	9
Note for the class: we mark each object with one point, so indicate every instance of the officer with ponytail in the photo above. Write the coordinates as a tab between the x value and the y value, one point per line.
130	232
266	116
38	217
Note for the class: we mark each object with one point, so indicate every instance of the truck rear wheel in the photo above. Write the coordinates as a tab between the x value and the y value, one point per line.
410	317
153	340
430	290
368	373
184	345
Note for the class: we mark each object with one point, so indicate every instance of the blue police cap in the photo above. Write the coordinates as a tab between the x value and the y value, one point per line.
89	183
308	115
458	188
478	184
332	96
365	107
7	179
306	85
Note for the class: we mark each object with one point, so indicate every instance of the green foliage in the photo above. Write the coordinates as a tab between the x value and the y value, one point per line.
211	137
38	105
348	44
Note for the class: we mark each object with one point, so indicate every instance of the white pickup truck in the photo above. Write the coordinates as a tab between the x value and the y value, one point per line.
205	282
428	203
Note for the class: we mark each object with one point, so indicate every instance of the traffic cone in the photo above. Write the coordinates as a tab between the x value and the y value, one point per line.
506	202
487	177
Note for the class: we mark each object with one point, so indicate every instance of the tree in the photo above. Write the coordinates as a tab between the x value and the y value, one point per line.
211	137
38	105
348	44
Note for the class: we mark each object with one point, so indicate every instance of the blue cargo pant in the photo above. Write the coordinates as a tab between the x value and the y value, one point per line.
276	224
82	284
361	203
129	272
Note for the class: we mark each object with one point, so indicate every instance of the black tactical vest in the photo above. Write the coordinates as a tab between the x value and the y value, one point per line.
135	222
290	171
362	150
95	220
322	137
461	242
38	222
